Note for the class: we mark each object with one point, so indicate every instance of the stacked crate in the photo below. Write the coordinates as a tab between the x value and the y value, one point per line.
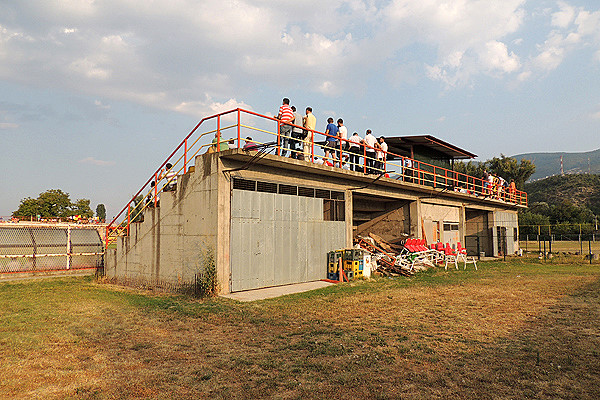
353	261
333	258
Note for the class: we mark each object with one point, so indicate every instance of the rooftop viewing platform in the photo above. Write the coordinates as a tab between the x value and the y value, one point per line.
421	163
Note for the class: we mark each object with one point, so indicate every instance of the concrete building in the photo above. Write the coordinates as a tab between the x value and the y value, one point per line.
271	220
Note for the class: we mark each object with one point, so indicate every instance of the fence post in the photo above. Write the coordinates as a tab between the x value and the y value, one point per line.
550	244
590	246
33	262
68	247
544	249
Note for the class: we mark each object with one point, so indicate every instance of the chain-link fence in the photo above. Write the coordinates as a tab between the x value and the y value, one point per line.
49	248
546	241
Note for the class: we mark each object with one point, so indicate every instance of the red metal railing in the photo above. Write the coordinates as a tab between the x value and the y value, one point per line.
374	161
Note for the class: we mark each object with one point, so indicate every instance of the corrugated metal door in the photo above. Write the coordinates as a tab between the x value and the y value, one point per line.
278	239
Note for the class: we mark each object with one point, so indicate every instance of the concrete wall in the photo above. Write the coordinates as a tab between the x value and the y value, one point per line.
169	244
507	222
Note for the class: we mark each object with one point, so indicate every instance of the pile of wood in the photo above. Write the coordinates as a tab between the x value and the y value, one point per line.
389	257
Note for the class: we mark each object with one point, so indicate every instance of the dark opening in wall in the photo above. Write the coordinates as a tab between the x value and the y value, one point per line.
334	210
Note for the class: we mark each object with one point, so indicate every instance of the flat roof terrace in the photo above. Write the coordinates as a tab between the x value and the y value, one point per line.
253	138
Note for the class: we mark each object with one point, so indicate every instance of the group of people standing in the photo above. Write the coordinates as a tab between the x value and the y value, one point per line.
497	187
296	138
336	138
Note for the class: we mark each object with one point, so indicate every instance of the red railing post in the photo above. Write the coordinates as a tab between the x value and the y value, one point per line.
239	122
128	217
364	158
185	155
312	147
218	132
278	137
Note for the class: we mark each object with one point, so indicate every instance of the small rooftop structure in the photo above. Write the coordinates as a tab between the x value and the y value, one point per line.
426	148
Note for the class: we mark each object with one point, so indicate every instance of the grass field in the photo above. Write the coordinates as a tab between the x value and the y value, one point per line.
511	330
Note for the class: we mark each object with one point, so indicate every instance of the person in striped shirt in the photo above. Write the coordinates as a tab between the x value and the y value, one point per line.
285	115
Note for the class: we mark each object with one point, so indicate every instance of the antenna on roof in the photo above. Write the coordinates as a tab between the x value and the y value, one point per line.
562	172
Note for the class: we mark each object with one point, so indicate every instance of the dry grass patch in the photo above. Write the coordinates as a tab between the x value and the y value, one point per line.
512	330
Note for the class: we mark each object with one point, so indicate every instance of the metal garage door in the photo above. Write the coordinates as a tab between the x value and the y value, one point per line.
278	239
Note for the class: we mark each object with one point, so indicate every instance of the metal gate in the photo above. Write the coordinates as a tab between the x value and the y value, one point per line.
278	239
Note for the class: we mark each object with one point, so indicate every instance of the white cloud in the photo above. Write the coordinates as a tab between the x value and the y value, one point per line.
93	161
8	125
464	33
176	55
100	105
209	107
575	28
496	58
565	16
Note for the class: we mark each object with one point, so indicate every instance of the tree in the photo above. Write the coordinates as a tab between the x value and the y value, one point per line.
469	168
509	168
101	212
82	207
53	203
28	208
506	167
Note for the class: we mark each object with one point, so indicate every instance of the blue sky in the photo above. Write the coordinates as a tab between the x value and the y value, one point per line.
95	94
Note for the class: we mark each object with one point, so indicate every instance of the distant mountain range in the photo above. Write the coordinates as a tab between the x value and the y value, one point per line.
548	164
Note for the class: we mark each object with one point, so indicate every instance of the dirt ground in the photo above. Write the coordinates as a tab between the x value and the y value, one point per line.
507	331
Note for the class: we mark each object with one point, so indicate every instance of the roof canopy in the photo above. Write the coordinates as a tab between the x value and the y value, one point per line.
435	148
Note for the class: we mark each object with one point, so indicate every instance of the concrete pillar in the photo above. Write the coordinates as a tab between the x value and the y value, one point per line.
462	225
493	235
415	218
223	225
349	210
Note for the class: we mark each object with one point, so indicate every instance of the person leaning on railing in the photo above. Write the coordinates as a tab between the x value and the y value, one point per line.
297	135
286	116
331	132
370	142
309	121
354	151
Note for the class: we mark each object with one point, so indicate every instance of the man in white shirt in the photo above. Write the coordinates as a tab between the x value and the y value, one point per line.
343	136
382	153
370	141
408	170
354	150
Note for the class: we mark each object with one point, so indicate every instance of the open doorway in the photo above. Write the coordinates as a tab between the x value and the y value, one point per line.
386	217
